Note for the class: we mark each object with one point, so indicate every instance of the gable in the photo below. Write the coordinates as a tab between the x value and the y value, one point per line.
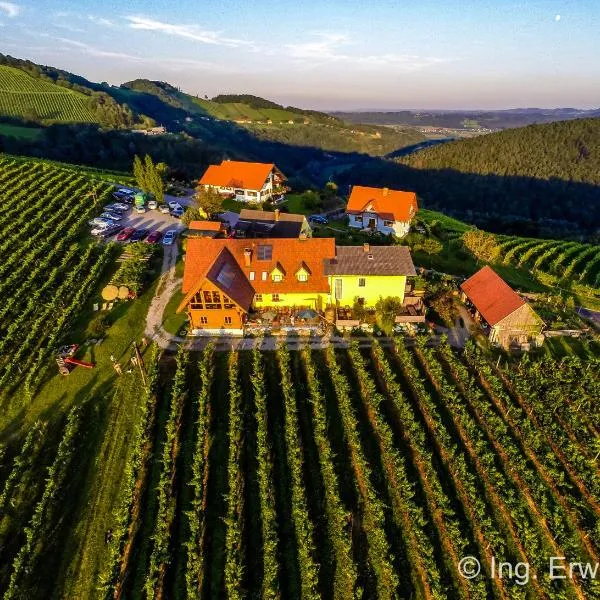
391	205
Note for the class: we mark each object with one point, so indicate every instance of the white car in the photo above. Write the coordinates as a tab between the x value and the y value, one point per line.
164	209
124	190
153	205
120	206
110	216
99	229
100	221
173	204
140	210
169	237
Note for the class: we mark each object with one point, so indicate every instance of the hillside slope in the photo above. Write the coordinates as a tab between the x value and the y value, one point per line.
567	150
24	96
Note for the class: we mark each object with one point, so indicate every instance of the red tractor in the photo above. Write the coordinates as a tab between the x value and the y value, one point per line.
66	362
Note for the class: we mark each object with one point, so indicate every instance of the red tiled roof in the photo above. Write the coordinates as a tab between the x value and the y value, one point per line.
238	174
491	295
226	274
289	253
388	204
205	225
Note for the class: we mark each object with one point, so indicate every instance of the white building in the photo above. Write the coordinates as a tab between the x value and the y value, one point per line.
245	181
381	209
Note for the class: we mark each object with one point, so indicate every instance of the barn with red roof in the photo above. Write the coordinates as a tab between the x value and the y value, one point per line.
506	317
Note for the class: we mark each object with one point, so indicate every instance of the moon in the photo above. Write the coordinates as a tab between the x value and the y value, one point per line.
557	18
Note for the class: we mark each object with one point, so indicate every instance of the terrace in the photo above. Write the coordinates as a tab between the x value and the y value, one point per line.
412	311
286	320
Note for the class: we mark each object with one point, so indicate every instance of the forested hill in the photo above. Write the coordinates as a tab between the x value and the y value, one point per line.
566	150
539	181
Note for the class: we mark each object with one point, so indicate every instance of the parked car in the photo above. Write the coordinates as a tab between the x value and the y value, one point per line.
279	199
123	197
124	190
111	216
320	219
164	208
140	210
98	229
117	206
106	232
169	237
178	211
173	204
125	234
154	237
100	221
152	204
139	235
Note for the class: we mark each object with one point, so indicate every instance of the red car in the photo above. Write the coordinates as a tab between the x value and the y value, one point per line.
125	234
154	237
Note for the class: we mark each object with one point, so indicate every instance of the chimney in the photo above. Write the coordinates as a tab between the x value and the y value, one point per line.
385	191
247	256
366	247
276	211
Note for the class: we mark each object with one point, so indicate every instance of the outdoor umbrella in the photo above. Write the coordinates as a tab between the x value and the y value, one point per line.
308	313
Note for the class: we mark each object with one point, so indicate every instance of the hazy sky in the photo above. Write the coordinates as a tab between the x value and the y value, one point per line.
326	54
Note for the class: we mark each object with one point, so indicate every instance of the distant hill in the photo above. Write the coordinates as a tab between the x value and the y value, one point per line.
538	181
495	119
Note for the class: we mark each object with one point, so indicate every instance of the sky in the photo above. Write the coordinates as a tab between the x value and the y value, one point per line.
327	54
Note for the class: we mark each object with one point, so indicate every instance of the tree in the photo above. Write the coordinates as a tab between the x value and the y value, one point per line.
481	245
209	200
149	176
387	309
430	246
192	214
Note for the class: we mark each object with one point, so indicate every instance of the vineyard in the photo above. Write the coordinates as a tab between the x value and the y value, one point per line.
559	259
47	268
23	96
358	473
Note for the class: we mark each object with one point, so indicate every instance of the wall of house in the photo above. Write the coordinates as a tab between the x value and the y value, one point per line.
215	318
311	300
521	326
398	228
376	286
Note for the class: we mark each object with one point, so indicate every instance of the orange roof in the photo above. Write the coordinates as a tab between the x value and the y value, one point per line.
206	225
388	204
491	295
238	174
289	255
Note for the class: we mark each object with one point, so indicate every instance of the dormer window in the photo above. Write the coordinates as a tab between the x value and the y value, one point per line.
302	277
303	273
277	277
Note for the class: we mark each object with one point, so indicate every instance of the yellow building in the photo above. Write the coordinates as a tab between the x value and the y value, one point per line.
367	273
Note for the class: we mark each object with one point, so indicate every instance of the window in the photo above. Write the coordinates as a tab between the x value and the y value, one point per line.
251	194
302	277
196	302
227	303
227	320
362	282
239	192
203	320
258	298
358	218
388	223
264	275
251	276
277	277
265	252
274	297
212	300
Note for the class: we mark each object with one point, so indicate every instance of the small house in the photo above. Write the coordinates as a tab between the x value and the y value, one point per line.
380	209
272	224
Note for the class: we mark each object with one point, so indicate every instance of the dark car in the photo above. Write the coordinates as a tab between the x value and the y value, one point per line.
318	219
139	235
154	237
110	231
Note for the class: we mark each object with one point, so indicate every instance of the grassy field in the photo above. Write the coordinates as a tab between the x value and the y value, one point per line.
25	133
22	95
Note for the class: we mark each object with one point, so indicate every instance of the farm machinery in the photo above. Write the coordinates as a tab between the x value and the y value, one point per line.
66	361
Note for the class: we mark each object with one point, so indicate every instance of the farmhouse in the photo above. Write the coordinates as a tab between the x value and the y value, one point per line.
381	209
273	224
245	181
230	284
506	318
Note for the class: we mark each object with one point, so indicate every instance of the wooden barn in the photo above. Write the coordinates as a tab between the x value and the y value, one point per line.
506	317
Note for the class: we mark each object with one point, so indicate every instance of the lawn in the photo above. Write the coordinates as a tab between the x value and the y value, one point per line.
173	321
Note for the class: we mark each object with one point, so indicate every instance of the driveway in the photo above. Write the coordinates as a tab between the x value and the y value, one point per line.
458	335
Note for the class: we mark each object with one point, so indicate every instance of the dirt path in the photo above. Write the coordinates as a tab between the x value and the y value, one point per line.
167	285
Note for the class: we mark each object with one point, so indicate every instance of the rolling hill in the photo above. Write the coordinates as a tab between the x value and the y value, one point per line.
24	96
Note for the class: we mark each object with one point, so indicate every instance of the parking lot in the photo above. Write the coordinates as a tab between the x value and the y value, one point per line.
153	220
